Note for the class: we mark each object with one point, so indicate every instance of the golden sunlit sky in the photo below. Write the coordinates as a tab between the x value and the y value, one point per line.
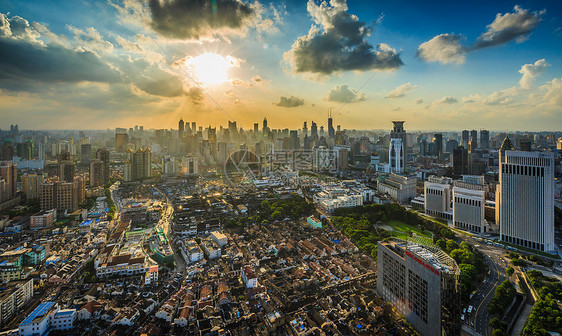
439	65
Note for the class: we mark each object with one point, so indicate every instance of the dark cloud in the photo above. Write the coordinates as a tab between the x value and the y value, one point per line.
340	45
447	100
25	58
20	60
342	94
192	19
291	101
507	27
195	95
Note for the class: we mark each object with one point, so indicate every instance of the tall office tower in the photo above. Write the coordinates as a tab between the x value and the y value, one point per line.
465	138
484	139
525	198
67	170
102	154
321	133
31	185
474	135
472	145
193	127
460	162
96	173
437	197
294	139
396	155
398	132
8	151
8	180
181	128
468	204
85	154
338	128
41	151
256	128
451	145
264	127
437	144
213	135
423	284
331	131
121	139
63	196
423	147
305	129
313	131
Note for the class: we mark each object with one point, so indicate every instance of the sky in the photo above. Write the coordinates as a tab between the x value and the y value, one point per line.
438	65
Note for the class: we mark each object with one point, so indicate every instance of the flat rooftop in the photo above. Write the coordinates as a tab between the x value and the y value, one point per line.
38	313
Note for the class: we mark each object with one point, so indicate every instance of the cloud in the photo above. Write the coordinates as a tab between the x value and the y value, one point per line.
530	72
497	98
447	100
553	93
195	95
447	48
338	41
291	101
91	40
193	19
401	90
342	94
507	27
444	48
257	79
418	101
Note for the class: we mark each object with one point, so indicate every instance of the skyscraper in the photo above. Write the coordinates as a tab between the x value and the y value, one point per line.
525	198
181	128
437	144
67	170
96	173
85	154
103	155
465	138
484	139
474	135
331	131
313	131
460	161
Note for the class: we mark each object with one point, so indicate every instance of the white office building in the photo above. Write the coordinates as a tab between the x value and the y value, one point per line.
438	199
468	209
525	198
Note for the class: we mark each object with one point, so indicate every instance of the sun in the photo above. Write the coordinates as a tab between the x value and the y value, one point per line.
210	68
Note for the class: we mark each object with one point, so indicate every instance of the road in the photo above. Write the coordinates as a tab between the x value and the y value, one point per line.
479	318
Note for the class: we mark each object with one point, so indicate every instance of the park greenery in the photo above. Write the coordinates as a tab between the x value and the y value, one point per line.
503	296
366	225
293	208
546	316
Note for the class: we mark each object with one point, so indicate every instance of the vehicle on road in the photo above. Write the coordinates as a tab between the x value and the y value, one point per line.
469	309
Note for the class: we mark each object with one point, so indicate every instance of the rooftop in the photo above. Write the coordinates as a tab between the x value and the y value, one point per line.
39	313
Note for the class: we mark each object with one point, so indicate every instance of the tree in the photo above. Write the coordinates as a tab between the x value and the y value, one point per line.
509	270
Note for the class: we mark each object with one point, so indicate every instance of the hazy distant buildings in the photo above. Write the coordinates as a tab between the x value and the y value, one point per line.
190	165
484	139
525	198
67	170
121	139
423	284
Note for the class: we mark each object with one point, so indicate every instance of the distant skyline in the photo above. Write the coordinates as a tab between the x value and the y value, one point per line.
444	65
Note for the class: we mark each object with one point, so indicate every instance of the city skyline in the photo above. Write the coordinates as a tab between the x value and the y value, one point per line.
120	64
